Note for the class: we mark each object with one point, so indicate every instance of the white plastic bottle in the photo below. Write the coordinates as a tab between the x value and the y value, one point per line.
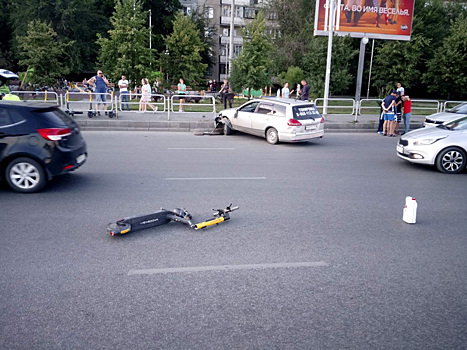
410	210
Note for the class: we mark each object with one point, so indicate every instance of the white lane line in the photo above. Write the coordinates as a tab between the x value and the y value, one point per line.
200	148
213	178
227	268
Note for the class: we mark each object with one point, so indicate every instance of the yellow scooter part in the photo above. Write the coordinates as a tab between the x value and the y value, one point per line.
209	223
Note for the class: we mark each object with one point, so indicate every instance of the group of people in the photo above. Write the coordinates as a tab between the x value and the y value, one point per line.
394	107
303	93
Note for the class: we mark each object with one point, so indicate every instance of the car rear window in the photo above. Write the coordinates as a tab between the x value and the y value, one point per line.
54	117
305	112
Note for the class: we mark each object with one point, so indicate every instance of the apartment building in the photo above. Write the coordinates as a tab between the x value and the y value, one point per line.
218	14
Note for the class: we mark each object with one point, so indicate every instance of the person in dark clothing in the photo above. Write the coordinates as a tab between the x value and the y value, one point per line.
226	95
304	91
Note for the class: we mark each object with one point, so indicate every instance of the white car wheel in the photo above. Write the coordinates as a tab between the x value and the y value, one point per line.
452	160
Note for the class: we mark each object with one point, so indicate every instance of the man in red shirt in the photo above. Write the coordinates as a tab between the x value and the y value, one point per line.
407	110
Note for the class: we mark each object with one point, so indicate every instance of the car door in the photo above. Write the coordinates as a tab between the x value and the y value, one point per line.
7	132
262	118
242	118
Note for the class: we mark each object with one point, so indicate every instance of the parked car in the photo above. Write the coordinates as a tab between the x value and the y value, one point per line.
37	142
277	120
444	146
446	116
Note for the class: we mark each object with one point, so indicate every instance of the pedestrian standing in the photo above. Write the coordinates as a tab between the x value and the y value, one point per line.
123	86
389	114
225	93
181	87
100	83
145	96
285	91
400	90
304	91
407	110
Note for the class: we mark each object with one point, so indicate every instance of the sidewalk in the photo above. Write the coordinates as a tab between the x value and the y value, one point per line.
199	122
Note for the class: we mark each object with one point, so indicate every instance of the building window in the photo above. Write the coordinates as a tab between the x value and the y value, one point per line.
237	49
208	12
222	68
223	50
250	12
226	10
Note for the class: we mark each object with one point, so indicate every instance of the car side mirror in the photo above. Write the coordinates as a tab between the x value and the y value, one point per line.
236	113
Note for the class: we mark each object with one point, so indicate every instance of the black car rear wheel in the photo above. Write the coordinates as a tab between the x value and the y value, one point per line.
25	175
451	160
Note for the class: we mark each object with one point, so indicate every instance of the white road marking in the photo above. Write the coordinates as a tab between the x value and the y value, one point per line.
200	148
228	268
213	178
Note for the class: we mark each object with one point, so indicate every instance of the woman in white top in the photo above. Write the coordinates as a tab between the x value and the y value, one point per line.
145	96
285	91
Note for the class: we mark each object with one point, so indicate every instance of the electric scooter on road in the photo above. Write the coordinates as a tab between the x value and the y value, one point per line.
164	216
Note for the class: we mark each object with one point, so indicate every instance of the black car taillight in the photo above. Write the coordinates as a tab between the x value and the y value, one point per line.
54	134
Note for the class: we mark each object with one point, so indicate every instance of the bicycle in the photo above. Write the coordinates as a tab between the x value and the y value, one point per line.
164	216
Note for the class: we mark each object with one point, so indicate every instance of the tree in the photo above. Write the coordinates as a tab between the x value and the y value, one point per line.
184	48
296	19
397	62
75	21
293	76
44	53
251	67
126	50
163	14
446	71
343	56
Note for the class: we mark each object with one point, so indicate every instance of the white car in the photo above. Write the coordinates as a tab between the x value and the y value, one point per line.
276	119
446	116
444	146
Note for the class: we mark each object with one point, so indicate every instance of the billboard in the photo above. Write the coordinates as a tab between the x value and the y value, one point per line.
378	19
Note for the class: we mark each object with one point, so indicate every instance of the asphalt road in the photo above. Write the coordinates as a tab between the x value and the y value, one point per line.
317	257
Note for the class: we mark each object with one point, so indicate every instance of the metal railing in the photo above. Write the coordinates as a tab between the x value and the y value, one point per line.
38	96
90	103
432	106
448	103
344	107
191	103
155	100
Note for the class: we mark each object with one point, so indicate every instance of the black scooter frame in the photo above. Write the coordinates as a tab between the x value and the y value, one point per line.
164	216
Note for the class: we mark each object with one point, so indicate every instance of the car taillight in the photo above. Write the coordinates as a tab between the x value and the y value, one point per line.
54	134
293	122
322	120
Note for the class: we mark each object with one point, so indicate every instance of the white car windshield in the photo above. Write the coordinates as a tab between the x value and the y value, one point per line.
458	124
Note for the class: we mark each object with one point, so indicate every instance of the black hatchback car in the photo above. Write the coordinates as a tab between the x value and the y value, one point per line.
37	142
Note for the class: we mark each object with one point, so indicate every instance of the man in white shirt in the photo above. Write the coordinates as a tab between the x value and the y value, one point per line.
123	86
400	90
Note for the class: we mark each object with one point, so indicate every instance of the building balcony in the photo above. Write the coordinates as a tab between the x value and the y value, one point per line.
237	20
237	40
237	2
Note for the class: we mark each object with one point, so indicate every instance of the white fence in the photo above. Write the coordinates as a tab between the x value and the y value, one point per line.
156	101
38	96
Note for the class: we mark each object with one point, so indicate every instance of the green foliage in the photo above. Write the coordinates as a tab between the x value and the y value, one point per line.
44	53
126	50
183	58
397	61
251	67
314	65
74	21
446	71
293	76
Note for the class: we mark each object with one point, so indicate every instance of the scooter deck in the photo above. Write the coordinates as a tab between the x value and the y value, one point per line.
139	222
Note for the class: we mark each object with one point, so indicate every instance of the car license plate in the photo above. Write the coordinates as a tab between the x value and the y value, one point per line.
310	127
400	149
81	158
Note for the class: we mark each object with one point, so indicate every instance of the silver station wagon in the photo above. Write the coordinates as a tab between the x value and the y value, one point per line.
277	120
